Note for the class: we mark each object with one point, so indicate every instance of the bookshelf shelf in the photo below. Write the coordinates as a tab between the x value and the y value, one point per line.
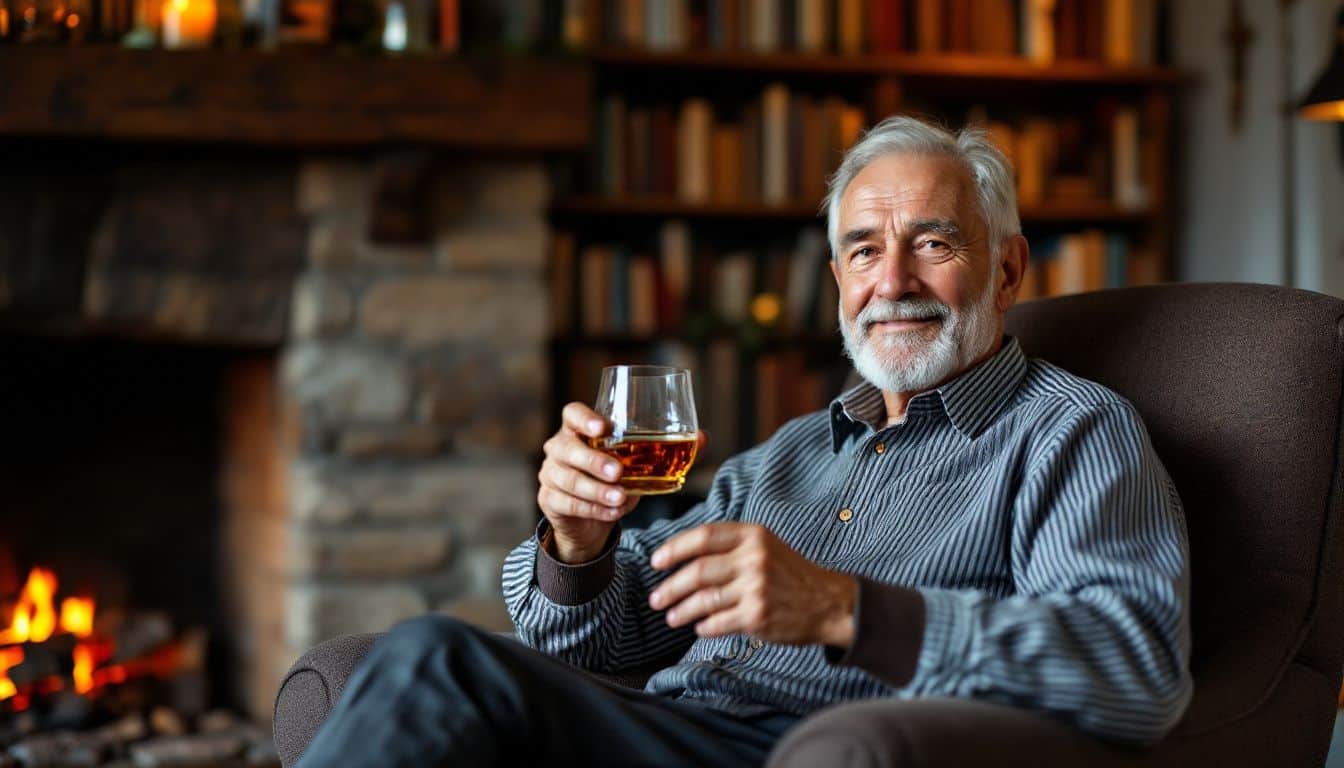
963	67
1080	212
295	98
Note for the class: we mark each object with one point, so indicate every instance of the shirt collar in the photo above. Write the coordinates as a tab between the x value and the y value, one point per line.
971	400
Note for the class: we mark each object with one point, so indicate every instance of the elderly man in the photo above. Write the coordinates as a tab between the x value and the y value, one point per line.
966	522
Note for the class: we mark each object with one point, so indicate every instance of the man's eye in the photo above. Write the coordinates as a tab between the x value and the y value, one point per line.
937	245
865	252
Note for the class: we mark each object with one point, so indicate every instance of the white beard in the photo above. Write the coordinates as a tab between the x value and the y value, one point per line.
909	361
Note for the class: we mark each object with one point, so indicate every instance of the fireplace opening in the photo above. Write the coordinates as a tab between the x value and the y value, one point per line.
134	475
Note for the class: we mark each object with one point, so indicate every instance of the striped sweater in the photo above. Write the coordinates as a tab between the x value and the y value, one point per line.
1015	538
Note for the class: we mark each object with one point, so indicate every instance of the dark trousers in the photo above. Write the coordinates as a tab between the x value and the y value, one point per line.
437	691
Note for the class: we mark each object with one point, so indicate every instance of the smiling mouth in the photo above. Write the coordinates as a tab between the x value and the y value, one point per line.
902	325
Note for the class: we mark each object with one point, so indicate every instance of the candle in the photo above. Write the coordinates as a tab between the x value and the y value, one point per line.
188	23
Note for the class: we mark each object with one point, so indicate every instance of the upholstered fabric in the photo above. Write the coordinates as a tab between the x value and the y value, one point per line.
1240	387
310	689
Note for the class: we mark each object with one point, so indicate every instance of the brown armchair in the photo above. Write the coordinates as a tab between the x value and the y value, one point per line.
1241	387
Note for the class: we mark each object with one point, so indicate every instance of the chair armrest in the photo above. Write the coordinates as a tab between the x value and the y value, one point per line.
310	689
937	732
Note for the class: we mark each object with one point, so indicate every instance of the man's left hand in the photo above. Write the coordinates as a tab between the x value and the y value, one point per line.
740	578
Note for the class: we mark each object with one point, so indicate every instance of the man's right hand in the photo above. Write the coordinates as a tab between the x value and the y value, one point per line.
578	493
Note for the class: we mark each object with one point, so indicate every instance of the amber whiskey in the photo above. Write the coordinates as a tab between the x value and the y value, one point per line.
653	462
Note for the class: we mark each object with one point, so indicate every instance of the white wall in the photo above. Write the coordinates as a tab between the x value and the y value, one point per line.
1231	225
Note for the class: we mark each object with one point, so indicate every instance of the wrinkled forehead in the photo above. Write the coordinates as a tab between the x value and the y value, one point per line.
903	186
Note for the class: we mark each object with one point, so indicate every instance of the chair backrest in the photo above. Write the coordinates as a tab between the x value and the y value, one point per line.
1240	387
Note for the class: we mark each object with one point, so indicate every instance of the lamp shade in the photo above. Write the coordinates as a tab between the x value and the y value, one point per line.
1325	100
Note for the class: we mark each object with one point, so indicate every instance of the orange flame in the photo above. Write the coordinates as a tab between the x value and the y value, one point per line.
9	657
34	617
83	672
77	616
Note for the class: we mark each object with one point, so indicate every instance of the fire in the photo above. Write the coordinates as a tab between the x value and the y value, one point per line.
34	617
9	657
83	672
35	620
77	616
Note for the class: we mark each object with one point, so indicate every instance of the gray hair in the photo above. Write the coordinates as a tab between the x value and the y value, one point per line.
989	169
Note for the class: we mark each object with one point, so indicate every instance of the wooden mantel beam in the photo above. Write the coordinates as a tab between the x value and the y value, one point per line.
295	98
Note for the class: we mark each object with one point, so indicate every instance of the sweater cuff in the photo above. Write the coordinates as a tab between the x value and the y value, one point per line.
567	584
888	633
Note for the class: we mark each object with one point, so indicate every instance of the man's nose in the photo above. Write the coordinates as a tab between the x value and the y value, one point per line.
898	275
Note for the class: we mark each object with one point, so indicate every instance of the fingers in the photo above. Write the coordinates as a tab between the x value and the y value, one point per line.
708	602
580	485
712	571
583	420
555	503
710	539
570	451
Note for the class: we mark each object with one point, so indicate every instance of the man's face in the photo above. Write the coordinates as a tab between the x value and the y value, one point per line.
919	298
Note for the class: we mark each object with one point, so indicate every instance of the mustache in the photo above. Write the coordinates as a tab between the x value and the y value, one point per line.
886	310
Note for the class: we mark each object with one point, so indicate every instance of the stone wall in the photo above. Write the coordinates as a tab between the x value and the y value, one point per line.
413	387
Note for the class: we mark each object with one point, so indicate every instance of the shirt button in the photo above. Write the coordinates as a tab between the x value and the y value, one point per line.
880	448
845	515
756	644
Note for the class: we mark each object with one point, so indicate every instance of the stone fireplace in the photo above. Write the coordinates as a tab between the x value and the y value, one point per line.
377	408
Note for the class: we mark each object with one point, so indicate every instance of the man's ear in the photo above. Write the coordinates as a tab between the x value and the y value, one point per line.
1013	258
835	269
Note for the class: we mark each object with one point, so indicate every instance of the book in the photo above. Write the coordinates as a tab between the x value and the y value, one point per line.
611	147
887	25
595	290
752	151
1145	34
801	286
632	22
1038	31
928	26
1035	143
1117	260
675	264
775	144
1128	190
994	27
768	407
849	27
723	415
725	164
764	27
663	162
643	296
957	27
734	281
450	31
694	127
639	152
812	24
825	316
618	293
722	31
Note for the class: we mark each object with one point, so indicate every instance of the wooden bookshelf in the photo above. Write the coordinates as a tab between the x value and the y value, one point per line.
1092	141
296	98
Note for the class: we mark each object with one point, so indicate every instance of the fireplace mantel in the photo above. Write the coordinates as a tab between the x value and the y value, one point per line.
299	98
